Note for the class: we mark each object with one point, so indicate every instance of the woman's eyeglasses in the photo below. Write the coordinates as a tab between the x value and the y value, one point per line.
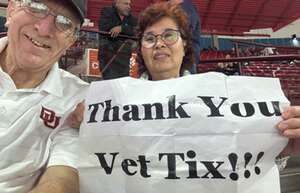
169	37
41	10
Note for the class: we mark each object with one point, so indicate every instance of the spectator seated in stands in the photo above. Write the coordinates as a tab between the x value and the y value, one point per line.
268	51
228	68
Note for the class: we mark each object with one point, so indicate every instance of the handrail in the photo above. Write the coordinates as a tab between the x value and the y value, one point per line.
253	58
265	45
105	33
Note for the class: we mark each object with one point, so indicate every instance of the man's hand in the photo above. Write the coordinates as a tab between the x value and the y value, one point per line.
290	127
58	179
75	118
114	32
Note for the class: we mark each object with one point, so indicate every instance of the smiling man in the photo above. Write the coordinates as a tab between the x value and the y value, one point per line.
37	149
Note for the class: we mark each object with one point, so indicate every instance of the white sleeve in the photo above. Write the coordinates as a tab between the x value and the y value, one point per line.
64	148
65	141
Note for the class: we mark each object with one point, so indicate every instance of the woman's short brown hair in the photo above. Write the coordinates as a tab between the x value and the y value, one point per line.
153	14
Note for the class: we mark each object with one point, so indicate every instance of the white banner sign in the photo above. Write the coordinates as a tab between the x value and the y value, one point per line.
205	133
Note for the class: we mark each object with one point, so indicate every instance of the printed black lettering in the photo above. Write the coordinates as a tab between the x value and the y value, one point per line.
132	113
212	169
158	111
144	168
171	161
95	108
235	109
126	163
263	107
173	110
108	108
103	162
192	165
214	110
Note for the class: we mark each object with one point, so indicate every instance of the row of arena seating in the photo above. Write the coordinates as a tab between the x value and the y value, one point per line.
289	75
212	54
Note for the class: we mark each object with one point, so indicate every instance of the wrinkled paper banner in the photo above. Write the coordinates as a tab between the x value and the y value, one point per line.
207	133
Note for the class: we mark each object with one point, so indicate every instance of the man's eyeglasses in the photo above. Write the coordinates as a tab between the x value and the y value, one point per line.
169	37
39	9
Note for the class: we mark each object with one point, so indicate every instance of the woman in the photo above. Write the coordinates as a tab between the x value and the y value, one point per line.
165	51
165	45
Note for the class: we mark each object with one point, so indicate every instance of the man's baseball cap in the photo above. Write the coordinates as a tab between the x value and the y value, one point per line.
80	7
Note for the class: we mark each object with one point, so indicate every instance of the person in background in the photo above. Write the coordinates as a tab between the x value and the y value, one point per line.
38	150
228	68
116	20
195	25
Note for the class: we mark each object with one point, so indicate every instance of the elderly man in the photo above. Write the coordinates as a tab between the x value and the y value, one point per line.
117	20
37	149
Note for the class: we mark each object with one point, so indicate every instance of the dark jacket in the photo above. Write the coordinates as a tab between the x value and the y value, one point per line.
109	47
195	24
110	18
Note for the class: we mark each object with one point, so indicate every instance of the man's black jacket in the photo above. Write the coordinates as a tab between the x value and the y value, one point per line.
110	18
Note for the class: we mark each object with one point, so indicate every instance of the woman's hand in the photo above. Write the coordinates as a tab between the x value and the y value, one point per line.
75	118
290	127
